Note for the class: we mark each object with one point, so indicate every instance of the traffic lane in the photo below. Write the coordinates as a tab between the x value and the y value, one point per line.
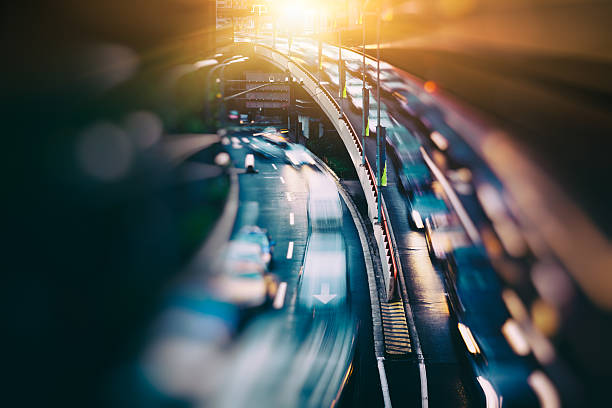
363	386
336	334
426	293
449	384
274	198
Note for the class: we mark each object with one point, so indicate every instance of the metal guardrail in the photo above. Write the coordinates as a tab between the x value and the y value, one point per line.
384	223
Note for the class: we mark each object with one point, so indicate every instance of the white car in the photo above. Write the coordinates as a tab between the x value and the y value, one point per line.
385	119
297	155
324	207
243	279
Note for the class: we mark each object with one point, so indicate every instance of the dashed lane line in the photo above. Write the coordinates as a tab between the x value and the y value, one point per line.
290	250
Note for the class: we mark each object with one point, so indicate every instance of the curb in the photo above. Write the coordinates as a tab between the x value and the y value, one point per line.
377	327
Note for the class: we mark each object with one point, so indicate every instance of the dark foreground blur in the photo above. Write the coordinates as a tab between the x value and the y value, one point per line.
97	220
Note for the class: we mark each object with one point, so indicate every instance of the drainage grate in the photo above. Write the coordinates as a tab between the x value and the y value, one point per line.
395	329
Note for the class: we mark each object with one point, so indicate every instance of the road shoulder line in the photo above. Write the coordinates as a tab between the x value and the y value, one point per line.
377	330
411	325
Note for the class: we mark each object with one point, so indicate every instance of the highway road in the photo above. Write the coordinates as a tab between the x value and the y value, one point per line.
474	190
300	354
448	383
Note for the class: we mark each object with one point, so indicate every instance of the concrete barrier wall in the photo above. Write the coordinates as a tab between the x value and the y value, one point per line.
352	143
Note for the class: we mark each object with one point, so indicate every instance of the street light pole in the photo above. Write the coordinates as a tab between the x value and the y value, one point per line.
340	71
365	104
320	49
378	129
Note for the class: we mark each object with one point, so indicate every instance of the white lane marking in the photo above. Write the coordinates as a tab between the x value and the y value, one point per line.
282	180
235	140
291	219
290	250
237	146
279	299
274	165
245	140
289	198
225	141
383	382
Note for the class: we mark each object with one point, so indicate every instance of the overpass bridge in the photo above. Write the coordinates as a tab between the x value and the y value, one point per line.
491	215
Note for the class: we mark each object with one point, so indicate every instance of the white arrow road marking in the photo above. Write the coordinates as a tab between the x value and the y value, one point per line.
325	296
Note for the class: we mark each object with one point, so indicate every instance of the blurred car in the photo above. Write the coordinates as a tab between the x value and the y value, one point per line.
392	86
443	233
498	352
354	90
323	279
330	70
255	235
422	205
243	279
297	155
404	147
353	64
414	177
357	98
265	149
275	139
387	72
385	119
324	207
410	102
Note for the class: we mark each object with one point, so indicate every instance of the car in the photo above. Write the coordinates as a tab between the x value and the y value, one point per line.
393	85
244	279
330	70
443	233
353	65
354	90
414	177
387	72
356	98
297	155
256	235
275	139
404	147
423	204
385	119
265	149
323	285
495	346
410	102
324	206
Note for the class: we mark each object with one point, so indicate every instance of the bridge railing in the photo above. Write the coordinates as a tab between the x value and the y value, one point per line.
350	138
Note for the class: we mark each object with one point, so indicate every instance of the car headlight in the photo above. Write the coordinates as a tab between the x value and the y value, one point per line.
492	400
418	221
468	338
